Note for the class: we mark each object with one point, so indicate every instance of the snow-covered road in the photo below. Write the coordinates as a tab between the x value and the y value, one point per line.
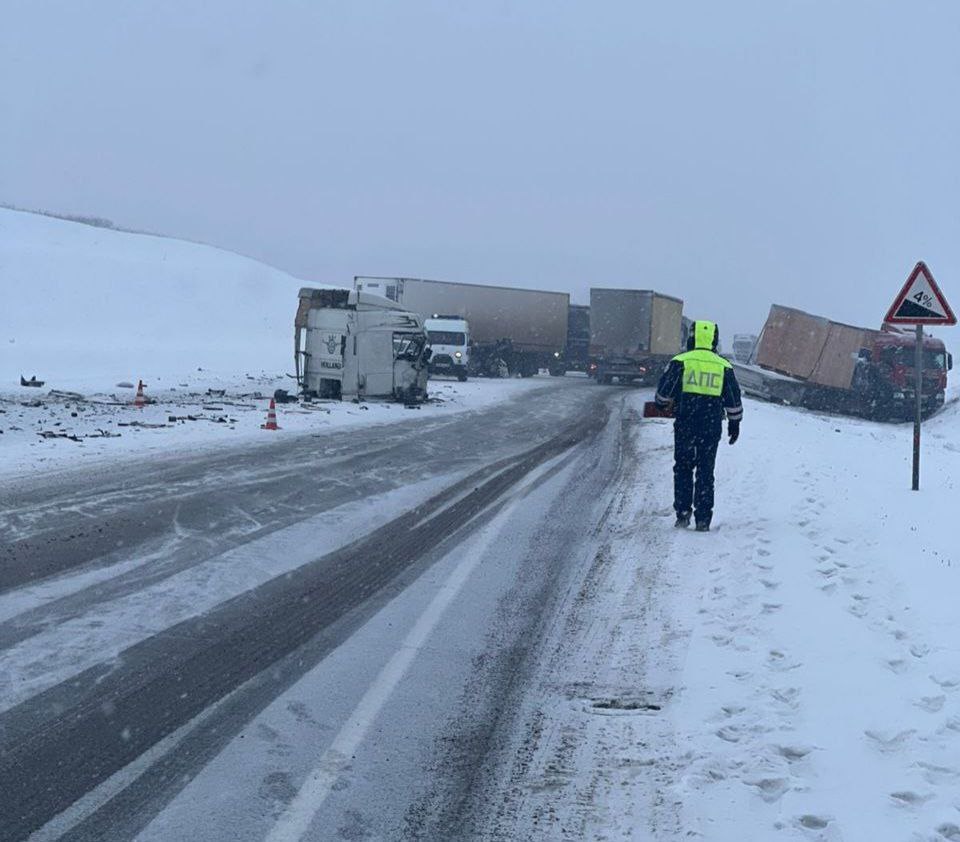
135	602
531	653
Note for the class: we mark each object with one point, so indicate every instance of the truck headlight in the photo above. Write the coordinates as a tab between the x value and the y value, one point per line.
556	354
458	355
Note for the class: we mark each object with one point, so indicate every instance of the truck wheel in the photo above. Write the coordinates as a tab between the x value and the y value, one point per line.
461	377
557	372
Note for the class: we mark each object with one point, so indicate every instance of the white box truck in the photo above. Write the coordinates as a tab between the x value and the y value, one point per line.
523	329
634	333
351	344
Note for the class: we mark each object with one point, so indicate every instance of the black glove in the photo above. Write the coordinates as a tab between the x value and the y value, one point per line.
733	428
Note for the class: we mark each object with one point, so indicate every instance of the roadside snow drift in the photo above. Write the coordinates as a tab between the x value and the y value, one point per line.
85	307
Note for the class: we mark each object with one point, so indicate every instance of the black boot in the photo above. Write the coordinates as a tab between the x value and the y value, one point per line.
703	526
683	520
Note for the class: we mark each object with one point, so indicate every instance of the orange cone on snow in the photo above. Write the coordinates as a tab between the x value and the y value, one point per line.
140	400
271	417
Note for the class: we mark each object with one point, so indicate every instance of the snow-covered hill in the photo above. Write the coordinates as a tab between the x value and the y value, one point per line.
85	307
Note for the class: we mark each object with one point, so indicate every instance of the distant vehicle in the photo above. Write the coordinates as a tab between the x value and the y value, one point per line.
576	352
449	338
743	345
352	344
813	362
633	334
515	330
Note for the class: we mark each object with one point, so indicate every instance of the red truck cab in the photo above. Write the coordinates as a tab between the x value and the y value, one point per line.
892	357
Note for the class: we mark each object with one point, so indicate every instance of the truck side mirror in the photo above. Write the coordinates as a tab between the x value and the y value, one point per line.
949	362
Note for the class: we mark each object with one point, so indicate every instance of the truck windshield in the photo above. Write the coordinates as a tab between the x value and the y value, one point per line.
447	337
905	357
408	346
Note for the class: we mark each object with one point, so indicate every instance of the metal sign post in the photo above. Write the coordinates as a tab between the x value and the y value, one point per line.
918	406
919	303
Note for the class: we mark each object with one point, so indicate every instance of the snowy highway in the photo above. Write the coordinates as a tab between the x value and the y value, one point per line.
149	616
482	626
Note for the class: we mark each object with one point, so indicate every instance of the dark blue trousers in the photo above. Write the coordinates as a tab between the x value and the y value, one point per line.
694	456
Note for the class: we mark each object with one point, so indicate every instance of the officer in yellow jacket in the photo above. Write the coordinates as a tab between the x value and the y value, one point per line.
701	386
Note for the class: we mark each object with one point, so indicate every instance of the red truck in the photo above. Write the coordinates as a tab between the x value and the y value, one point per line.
820	364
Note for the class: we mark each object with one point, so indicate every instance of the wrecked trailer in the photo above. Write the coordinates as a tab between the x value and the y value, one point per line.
811	361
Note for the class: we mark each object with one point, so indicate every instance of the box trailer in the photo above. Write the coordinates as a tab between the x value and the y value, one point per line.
634	333
524	329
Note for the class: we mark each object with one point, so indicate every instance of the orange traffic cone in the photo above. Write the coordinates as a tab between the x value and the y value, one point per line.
140	400
271	417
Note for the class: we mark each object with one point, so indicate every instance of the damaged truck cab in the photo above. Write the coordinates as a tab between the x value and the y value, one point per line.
351	344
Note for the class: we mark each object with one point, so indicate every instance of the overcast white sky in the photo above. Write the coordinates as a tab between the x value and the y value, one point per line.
732	153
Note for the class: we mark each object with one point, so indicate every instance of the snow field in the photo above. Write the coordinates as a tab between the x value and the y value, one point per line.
85	307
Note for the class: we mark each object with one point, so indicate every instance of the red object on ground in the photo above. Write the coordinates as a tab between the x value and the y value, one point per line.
140	400
271	417
651	410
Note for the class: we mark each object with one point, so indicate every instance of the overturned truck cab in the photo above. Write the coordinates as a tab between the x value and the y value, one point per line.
350	344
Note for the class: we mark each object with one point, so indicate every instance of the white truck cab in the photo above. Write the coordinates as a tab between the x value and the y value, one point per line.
351	344
743	346
449	338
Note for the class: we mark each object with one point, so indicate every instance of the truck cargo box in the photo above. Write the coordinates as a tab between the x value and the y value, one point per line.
533	320
811	348
634	322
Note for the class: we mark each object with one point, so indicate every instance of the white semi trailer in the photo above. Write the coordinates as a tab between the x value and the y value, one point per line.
633	334
526	329
351	344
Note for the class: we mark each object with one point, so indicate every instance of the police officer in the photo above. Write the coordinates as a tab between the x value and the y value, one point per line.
700	385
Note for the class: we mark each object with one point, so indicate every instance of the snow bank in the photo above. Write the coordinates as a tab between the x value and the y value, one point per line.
84	307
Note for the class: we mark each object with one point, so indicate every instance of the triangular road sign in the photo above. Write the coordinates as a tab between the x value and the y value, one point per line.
920	302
